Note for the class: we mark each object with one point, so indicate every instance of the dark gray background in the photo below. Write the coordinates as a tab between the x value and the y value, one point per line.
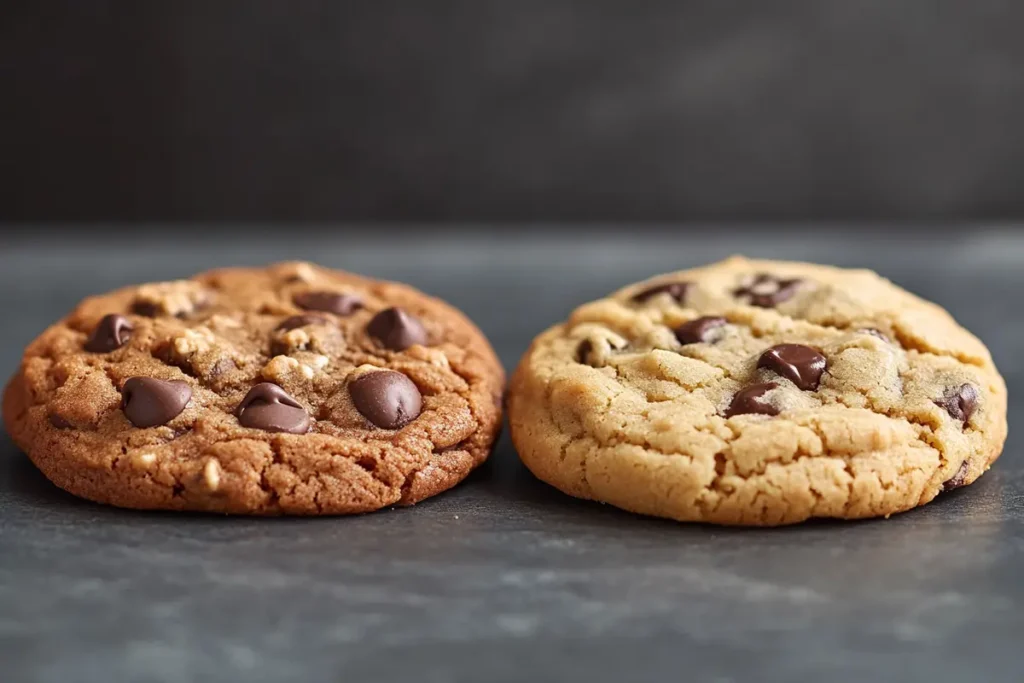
503	578
533	109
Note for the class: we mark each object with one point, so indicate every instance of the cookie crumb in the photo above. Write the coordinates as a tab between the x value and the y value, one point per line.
177	298
280	368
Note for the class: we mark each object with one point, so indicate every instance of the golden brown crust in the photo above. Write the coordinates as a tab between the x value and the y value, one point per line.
219	333
639	419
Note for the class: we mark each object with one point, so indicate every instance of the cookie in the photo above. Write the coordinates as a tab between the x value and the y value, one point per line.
758	393
290	389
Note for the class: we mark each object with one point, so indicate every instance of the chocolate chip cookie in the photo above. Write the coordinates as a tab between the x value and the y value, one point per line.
759	393
291	389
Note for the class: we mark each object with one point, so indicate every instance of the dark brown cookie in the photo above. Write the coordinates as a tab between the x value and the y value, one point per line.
291	389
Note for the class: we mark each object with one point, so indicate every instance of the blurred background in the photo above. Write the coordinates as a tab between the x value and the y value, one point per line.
459	110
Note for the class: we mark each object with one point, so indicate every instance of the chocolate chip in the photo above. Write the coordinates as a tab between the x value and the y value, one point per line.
800	364
302	320
766	290
586	349
59	422
583	351
268	407
146	308
396	329
676	290
958	479
960	402
338	303
700	330
112	332
386	398
751	400
148	402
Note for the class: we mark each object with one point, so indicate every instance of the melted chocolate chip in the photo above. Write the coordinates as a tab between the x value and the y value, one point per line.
386	398
583	351
331	302
766	291
148	402
958	479
800	364
704	329
112	332
676	290
302	320
268	407
586	349
751	400
960	402
146	308
396	329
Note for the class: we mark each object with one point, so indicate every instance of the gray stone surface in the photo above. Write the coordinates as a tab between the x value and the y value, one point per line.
503	578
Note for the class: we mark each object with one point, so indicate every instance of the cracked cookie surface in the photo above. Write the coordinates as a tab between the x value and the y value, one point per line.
758	393
291	389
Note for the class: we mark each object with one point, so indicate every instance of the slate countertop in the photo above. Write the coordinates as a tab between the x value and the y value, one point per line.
504	578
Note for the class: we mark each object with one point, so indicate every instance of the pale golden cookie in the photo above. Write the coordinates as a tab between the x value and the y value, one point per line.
291	389
758	393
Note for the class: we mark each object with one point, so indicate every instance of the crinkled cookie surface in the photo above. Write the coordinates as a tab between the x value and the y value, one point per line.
758	393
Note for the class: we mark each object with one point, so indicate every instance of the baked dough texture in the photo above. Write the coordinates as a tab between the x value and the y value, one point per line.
758	393
290	389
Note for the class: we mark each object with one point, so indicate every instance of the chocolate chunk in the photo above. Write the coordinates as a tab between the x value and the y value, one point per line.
960	402
958	479
704	329
751	400
146	308
112	332
338	303
583	351
766	291
396	329
800	364
268	407
148	402
302	320
676	290
386	398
